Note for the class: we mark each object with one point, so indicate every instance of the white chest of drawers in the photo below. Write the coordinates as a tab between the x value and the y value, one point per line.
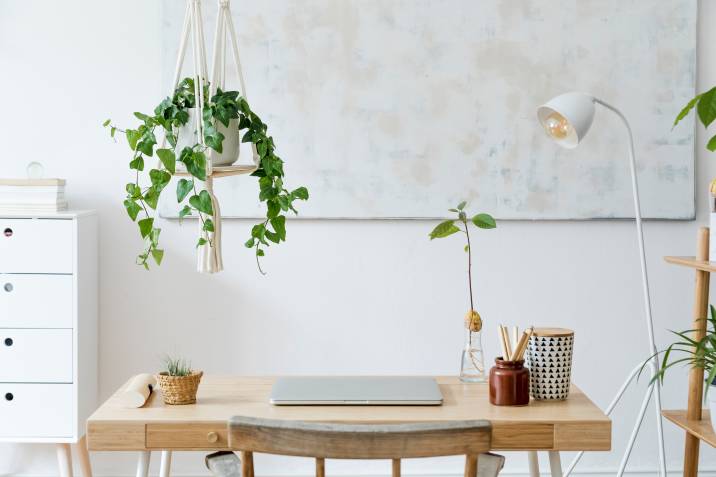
48	329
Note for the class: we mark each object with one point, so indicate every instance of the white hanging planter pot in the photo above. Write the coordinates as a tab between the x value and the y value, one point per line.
231	146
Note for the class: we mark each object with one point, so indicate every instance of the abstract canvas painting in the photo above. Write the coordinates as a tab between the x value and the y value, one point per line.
384	109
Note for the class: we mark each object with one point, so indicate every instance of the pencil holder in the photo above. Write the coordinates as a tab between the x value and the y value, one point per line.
549	357
509	383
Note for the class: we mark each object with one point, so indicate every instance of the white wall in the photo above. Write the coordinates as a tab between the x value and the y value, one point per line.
341	297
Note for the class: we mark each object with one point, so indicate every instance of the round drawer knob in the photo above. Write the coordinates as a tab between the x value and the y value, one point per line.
212	437
8	341
8	287
7	232
9	397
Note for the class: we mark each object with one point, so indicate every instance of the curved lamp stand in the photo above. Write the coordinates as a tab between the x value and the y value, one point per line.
567	119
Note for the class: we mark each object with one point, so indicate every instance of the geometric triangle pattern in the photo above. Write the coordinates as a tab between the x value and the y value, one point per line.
550	361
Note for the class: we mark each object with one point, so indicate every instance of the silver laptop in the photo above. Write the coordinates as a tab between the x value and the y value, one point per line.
356	391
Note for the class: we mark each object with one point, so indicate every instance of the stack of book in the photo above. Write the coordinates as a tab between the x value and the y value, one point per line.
39	195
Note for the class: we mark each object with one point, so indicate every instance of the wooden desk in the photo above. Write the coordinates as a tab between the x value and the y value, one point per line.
574	424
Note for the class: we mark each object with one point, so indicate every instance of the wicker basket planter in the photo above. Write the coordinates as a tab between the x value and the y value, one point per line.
179	389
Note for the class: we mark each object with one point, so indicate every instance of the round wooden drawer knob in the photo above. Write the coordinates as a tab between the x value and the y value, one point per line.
212	437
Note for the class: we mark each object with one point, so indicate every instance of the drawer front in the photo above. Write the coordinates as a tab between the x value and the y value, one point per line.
196	436
36	245
35	356
36	301
36	410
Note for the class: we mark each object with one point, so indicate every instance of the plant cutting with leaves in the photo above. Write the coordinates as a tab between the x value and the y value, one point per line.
170	116
473	321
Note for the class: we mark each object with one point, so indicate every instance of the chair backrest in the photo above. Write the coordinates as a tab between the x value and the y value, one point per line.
360	441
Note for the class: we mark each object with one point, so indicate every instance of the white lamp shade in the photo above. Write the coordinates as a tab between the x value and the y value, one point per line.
574	112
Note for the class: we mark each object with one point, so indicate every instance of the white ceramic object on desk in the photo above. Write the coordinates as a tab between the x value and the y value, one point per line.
186	136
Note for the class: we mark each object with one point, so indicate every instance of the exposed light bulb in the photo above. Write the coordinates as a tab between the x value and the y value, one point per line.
557	126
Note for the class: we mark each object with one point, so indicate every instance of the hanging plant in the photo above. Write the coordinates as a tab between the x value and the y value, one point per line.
170	116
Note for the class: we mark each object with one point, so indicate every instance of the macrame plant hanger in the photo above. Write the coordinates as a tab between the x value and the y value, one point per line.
209	258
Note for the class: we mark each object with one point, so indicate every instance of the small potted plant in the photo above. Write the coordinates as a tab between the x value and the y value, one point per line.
178	381
472	368
697	354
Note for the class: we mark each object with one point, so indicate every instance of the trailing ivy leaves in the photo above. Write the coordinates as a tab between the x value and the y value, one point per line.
170	115
184	186
202	202
168	159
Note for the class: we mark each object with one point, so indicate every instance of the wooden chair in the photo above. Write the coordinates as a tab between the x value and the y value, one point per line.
358	441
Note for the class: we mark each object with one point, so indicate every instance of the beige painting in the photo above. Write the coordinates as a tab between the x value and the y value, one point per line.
402	108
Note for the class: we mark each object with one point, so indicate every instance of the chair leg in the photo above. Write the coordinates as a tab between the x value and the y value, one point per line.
320	467
165	465
83	455
247	464
555	464
143	463
471	466
64	459
533	463
396	467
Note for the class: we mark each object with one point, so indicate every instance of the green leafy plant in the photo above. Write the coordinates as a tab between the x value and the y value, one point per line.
169	116
697	353
705	104
177	366
461	224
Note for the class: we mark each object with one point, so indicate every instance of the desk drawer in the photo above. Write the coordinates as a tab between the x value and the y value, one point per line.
36	301
36	245
35	356
36	410
187	436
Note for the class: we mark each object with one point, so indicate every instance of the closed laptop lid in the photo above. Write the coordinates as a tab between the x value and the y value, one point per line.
356	390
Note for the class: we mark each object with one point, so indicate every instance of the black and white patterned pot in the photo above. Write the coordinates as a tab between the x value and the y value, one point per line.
549	358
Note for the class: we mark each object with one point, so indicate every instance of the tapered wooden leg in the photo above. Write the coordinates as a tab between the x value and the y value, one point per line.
555	464
533	460
247	464
165	465
396	467
83	456
471	466
143	463
320	467
64	459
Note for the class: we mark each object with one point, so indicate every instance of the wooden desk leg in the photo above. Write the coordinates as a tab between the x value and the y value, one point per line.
165	465
470	466
555	464
247	464
83	455
396	468
64	459
533	460
320	467
143	463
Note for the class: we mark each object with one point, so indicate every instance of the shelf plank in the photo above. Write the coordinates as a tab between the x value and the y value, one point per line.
691	262
701	429
225	171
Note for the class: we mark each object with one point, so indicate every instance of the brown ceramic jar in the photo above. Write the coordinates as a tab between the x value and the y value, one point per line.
509	383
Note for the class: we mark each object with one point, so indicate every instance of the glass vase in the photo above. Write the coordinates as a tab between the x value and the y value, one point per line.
472	367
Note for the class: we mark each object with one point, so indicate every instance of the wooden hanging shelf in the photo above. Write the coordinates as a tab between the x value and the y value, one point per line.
224	171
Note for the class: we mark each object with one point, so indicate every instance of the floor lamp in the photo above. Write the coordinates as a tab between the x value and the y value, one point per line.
567	119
